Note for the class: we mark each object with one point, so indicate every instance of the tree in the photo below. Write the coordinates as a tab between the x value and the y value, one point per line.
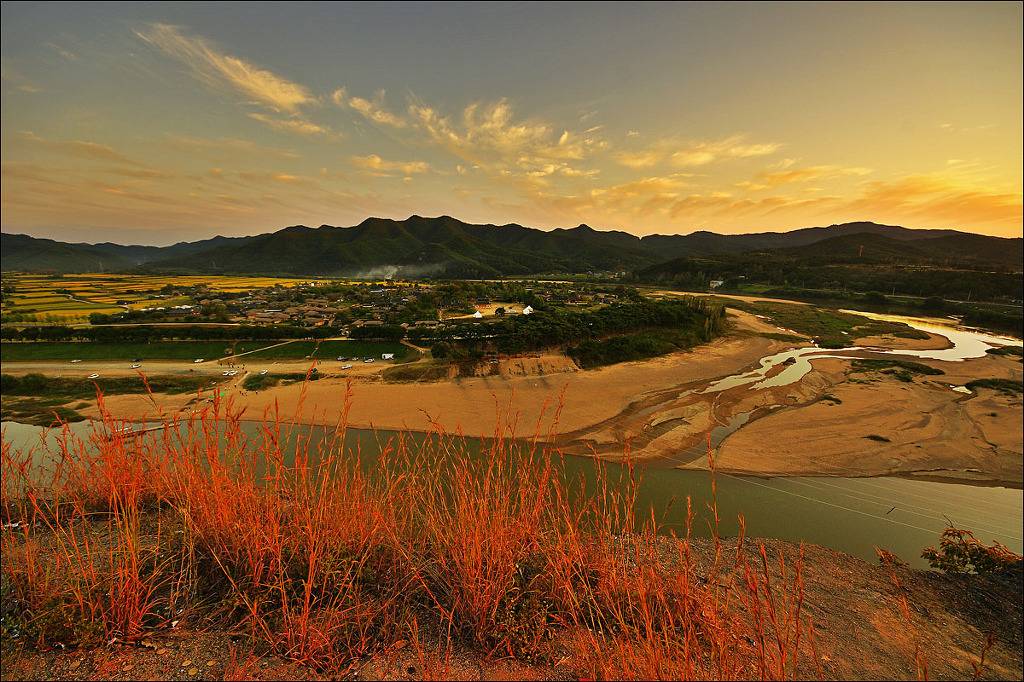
875	298
441	350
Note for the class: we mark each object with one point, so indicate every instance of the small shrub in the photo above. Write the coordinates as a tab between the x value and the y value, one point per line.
878	439
1004	386
960	552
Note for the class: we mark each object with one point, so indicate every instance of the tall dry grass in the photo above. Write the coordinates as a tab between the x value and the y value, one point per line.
327	559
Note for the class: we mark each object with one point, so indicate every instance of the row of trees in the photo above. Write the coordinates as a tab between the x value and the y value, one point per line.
142	334
910	280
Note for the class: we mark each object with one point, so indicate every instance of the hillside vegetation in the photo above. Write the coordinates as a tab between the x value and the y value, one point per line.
445	246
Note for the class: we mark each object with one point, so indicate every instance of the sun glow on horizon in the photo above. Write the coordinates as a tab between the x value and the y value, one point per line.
155	124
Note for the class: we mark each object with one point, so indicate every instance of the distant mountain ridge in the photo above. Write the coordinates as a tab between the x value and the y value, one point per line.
445	246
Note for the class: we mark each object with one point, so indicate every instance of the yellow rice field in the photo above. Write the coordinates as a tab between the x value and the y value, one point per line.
70	299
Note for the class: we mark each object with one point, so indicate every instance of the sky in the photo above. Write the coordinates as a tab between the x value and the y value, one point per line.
159	122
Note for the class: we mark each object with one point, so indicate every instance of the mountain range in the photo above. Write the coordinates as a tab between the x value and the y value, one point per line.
445	246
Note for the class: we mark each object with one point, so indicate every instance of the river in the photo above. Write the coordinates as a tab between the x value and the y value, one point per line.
847	514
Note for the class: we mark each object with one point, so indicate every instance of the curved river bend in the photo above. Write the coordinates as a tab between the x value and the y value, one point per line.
966	344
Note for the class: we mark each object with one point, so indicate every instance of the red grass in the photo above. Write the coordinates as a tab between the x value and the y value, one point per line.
327	561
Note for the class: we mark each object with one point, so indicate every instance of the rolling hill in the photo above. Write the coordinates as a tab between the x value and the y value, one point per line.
445	246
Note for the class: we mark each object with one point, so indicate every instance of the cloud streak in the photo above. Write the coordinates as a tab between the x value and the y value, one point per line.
219	70
372	110
373	163
80	149
299	126
692	153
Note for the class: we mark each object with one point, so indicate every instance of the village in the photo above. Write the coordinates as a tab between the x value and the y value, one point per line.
345	306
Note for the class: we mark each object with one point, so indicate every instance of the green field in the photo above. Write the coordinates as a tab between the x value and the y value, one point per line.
329	350
161	350
832	328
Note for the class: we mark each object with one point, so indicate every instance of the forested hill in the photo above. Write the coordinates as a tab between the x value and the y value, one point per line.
955	266
448	247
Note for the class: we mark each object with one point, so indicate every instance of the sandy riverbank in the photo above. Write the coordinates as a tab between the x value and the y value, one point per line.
658	411
558	402
875	425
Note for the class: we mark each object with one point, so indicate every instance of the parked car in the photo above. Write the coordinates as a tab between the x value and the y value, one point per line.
346	366
368	360
94	375
75	361
197	361
136	365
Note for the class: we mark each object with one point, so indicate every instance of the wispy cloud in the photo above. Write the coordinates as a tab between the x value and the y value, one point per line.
227	147
292	125
17	80
689	153
641	159
63	52
936	197
734	147
490	136
372	110
82	149
954	128
788	174
219	70
376	165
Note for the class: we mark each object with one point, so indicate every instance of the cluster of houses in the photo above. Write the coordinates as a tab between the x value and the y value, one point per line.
313	312
354	305
183	308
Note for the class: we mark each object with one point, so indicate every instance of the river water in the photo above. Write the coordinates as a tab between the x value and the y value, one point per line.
847	514
966	344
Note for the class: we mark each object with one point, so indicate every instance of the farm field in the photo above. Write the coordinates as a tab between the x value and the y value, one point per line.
69	299
162	350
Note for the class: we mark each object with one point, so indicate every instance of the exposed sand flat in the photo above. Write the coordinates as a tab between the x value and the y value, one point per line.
671	426
927	427
737	297
472	404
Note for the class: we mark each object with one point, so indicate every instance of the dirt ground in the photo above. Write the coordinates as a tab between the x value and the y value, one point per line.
876	425
860	634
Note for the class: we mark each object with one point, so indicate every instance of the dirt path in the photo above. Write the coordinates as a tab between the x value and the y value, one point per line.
257	350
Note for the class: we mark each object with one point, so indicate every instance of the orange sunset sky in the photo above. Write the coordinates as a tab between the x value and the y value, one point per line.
154	123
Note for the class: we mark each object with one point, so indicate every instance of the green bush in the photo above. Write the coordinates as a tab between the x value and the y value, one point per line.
960	552
1004	386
